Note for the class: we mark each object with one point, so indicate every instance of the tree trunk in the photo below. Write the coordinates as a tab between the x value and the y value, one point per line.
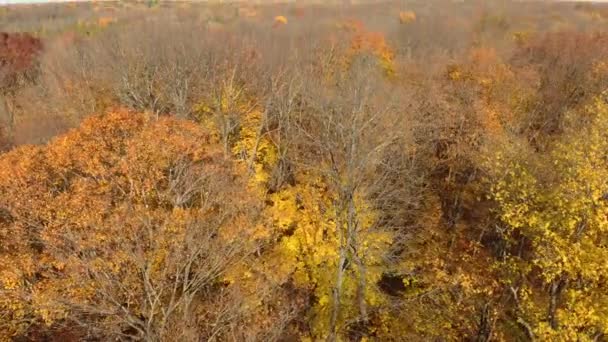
353	244
337	290
556	289
485	325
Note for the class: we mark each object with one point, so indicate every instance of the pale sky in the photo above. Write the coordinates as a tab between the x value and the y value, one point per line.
10	2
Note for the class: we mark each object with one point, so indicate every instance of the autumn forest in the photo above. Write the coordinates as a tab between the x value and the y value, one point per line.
421	170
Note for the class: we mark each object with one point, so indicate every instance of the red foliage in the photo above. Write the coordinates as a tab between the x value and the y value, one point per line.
18	53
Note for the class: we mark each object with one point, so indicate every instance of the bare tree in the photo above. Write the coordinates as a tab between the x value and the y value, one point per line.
353	135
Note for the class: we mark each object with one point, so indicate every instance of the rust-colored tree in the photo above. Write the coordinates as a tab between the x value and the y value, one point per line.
125	227
18	67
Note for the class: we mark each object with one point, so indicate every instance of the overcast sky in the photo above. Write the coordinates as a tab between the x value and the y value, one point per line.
5	2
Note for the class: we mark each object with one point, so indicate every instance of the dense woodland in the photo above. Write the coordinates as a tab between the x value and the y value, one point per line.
396	171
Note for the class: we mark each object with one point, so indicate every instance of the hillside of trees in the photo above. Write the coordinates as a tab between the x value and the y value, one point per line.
417	170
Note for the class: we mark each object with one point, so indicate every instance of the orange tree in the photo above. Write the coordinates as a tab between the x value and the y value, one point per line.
124	226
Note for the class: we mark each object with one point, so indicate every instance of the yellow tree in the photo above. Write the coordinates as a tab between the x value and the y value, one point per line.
323	162
338	219
554	213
